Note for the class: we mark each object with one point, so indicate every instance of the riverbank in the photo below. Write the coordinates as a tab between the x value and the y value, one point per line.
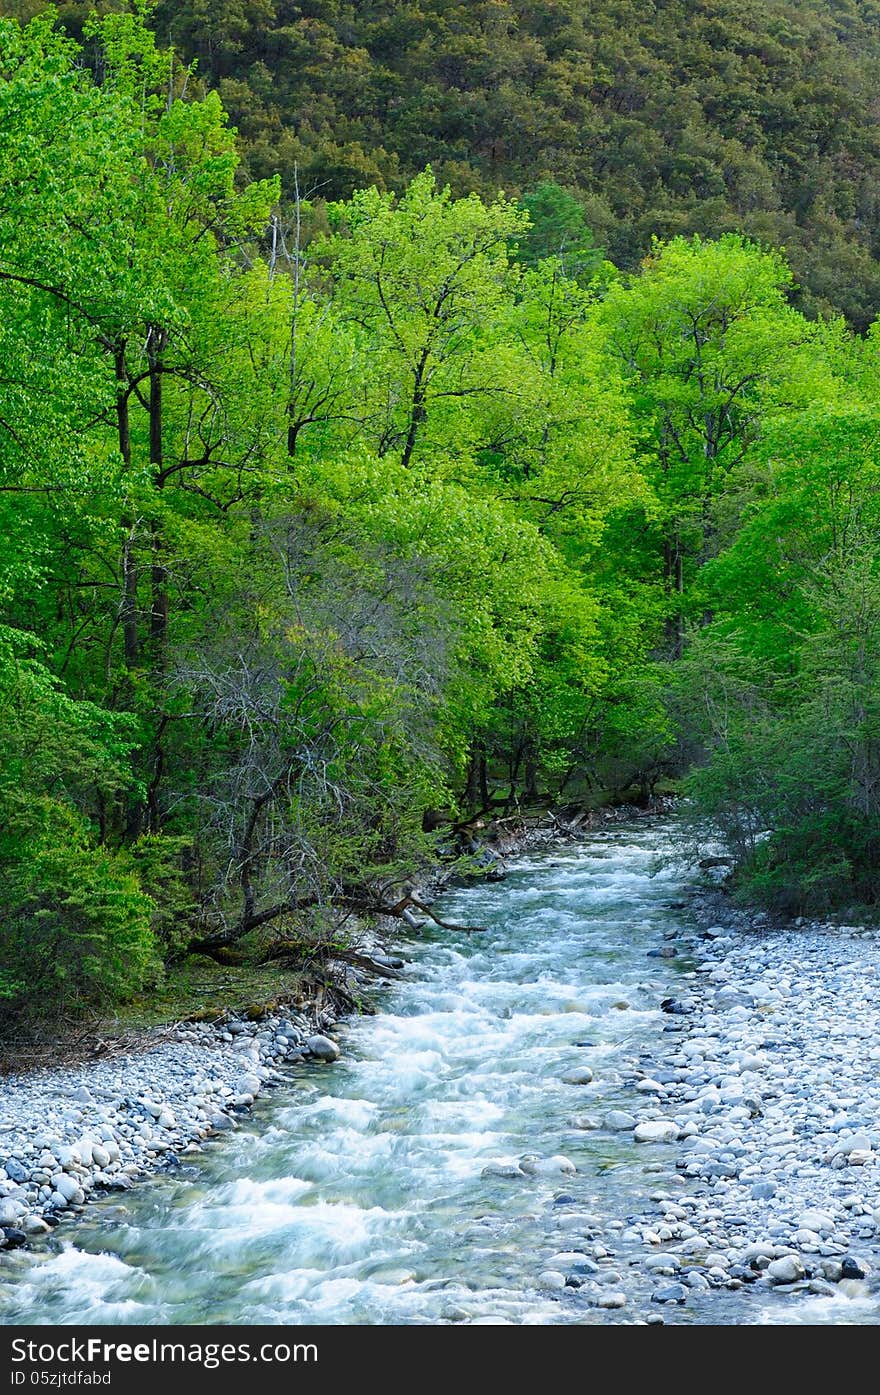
713	1159
765	1088
70	1133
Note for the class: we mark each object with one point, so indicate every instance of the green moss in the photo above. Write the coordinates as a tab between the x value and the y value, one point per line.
200	989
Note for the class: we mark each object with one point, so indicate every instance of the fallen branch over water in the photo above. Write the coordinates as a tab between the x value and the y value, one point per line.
444	924
219	945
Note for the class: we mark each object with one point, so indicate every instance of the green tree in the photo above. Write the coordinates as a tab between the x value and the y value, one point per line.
558	228
710	347
75	923
424	279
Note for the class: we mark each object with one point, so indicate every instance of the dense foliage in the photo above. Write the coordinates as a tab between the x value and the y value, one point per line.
312	550
661	118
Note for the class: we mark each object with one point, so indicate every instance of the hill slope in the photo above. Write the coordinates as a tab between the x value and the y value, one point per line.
688	115
665	116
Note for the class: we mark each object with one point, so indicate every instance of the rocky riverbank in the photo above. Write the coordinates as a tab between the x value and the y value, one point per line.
71	1133
745	1124
759	1111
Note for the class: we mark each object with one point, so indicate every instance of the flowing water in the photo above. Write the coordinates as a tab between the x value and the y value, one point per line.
356	1194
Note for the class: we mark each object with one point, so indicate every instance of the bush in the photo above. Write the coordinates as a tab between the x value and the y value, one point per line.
161	864
76	926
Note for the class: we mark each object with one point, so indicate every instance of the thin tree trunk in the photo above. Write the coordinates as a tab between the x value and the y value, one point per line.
472	785
292	429
418	411
156	341
531	772
129	560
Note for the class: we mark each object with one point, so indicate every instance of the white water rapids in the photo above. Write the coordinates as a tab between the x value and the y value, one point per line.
356	1193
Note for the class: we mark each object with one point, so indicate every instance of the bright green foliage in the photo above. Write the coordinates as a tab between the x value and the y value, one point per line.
306	535
780	694
423	278
711	349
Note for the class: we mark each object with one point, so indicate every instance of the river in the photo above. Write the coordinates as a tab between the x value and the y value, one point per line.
356	1193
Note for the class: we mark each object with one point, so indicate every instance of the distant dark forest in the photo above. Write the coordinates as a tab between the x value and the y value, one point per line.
670	117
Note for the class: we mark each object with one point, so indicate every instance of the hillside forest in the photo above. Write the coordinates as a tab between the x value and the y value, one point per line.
352	490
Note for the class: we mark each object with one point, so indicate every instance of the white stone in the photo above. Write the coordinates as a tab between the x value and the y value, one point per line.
68	1187
10	1210
248	1085
818	1221
612	1300
323	1047
656	1131
555	1166
618	1120
34	1225
786	1270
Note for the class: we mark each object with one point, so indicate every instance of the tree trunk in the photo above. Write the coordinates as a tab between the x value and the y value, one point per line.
418	410
476	777
156	341
531	772
129	560
513	767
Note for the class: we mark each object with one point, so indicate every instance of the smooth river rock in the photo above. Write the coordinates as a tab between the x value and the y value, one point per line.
656	1131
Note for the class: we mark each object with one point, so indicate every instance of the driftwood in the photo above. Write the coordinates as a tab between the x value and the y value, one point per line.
215	945
366	961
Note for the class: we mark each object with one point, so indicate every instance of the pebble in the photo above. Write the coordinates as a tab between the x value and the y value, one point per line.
249	1085
851	1269
581	1076
323	1047
547	1167
619	1120
656	1131
502	1170
611	1300
670	1293
72	1132
786	1270
770	1098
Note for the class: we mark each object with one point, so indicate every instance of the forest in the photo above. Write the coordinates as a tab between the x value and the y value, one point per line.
666	118
351	488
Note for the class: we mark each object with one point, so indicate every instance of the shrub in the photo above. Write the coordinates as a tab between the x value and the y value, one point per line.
75	928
